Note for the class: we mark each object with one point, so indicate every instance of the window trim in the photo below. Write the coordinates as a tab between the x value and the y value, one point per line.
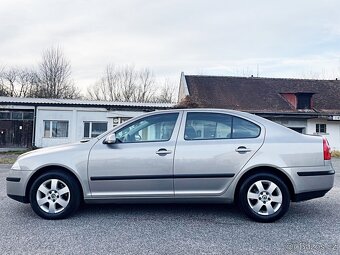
154	141
232	129
316	128
90	128
51	129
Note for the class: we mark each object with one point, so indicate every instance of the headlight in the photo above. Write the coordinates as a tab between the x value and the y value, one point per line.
16	166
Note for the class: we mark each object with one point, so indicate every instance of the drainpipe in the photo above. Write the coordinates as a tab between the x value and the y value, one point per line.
34	123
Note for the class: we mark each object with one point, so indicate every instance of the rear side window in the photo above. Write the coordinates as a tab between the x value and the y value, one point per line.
245	129
210	126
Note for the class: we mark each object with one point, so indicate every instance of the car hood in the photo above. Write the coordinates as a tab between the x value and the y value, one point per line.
56	155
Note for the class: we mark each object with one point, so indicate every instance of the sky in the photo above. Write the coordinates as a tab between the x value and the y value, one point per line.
298	39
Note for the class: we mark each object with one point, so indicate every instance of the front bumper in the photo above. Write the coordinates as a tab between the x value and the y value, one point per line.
16	183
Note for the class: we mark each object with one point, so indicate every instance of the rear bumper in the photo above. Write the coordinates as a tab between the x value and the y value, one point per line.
311	182
309	195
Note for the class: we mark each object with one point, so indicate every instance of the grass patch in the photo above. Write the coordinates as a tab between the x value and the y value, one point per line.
7	160
336	154
13	152
9	157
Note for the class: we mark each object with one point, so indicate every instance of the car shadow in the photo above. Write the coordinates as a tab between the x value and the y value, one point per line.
160	211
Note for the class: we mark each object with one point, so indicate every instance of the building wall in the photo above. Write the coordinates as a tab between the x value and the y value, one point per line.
332	131
76	118
183	89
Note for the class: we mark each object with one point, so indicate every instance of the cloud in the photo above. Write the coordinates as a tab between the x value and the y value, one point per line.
287	38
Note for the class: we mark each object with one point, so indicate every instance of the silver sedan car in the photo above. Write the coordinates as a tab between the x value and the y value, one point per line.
181	155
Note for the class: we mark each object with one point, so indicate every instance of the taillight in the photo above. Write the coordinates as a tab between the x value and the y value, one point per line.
326	150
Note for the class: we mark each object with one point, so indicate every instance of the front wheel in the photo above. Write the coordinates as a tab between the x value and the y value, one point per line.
55	195
264	197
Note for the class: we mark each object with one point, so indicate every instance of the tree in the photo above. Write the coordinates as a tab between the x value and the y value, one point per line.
124	84
188	102
54	76
8	80
51	80
127	84
167	93
28	84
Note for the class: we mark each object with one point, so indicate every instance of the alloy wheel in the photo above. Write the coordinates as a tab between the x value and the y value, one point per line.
264	197
53	196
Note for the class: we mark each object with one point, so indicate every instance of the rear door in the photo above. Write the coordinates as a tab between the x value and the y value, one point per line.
211	149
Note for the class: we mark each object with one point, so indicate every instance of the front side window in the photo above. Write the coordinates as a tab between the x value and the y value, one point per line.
93	129
209	126
321	128
55	128
154	128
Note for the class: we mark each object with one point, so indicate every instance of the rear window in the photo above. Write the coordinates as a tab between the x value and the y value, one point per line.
211	126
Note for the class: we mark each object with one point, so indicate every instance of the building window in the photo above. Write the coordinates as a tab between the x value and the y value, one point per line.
55	128
304	100
321	128
16	115
93	129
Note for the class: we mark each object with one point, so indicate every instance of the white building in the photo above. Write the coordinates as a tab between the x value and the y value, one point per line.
307	106
35	122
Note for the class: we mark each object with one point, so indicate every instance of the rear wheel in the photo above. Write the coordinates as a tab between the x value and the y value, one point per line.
55	195
264	197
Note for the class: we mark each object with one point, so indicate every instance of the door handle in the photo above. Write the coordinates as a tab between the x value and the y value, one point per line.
242	149
163	151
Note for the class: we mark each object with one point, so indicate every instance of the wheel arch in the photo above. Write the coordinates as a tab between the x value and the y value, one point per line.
265	169
46	169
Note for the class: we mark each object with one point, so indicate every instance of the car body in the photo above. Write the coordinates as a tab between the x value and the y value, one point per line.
179	155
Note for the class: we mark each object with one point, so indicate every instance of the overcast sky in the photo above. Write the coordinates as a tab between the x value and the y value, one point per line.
283	38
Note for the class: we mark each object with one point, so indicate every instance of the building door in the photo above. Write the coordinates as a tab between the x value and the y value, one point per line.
16	129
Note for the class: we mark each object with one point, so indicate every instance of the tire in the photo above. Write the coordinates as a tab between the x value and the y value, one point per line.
55	195
264	197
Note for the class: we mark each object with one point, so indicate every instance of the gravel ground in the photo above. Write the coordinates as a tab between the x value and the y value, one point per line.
311	227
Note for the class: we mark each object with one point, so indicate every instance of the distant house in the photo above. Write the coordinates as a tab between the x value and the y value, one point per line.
307	106
37	122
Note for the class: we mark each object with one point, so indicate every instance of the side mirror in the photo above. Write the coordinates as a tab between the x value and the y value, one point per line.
110	139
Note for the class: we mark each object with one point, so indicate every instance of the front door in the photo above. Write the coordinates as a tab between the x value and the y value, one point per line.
140	163
211	149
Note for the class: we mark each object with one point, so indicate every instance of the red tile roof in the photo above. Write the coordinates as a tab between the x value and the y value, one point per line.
262	94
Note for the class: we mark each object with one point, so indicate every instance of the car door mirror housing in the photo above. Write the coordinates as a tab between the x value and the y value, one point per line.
110	139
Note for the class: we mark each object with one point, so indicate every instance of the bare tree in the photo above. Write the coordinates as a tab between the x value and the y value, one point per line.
124	84
146	89
3	88
167	93
28	84
16	82
8	81
55	76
